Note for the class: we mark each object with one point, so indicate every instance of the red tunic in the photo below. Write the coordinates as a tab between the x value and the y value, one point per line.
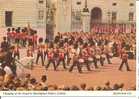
124	57
13	34
50	55
9	34
23	36
40	49
61	55
17	36
30	37
34	38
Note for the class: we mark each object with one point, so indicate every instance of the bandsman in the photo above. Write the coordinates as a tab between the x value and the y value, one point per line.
51	59
40	51
61	58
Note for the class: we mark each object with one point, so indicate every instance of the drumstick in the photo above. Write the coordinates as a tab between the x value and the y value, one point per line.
19	62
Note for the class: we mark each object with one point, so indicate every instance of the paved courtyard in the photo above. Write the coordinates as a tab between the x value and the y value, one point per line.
94	78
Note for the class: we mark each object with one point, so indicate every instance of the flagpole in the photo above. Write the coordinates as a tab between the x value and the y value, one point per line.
28	28
71	15
46	19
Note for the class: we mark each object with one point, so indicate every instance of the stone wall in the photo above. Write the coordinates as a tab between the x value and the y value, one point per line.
24	11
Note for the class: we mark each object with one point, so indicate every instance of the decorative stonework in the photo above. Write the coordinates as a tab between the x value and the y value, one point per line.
86	21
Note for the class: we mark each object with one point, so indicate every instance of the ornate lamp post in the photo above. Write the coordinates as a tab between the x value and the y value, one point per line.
86	18
85	9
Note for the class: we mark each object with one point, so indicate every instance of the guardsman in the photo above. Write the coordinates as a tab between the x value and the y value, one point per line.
17	36
124	58
9	35
16	52
69	56
107	53
75	63
51	59
10	61
35	38
85	57
94	57
98	56
13	35
61	58
5	45
45	50
23	37
30	40
30	51
40	51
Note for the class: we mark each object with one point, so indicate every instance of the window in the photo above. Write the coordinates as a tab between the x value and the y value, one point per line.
8	18
114	16
41	1
40	14
131	4
114	4
76	20
131	16
78	3
78	15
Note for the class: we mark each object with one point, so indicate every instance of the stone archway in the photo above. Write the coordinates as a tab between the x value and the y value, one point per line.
96	16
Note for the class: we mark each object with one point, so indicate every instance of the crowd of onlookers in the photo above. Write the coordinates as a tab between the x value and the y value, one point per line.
28	83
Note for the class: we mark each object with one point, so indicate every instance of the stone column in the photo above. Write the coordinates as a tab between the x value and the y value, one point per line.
86	21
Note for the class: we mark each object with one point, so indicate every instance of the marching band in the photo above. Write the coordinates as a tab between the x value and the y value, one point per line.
72	48
22	36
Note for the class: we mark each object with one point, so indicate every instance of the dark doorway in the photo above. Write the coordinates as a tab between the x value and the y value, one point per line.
8	18
96	16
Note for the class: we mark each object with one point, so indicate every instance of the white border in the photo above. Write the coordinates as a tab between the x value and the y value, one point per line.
137	47
69	93
85	93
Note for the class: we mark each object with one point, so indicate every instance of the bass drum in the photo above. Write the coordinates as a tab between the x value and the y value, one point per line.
130	55
26	62
103	56
111	55
81	60
90	59
97	57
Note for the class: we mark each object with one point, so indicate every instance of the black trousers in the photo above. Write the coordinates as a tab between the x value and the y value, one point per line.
24	42
17	55
95	62
68	61
13	68
17	40
87	63
75	63
49	62
63	62
126	64
101	60
108	58
45	53
40	55
9	40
